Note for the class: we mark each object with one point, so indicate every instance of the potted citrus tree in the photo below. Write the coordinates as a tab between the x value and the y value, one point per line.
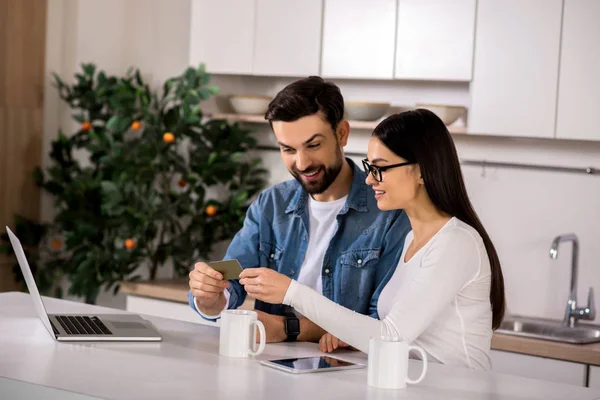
145	181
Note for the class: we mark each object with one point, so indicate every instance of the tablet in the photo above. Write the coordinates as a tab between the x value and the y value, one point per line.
311	364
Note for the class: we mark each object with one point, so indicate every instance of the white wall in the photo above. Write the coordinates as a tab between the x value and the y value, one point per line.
522	210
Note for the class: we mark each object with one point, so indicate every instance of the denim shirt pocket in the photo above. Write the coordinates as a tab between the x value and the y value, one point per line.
357	273
270	255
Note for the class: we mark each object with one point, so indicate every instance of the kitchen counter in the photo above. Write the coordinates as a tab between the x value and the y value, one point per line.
580	353
186	364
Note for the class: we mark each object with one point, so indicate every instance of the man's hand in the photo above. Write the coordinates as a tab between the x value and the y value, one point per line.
207	286
329	343
274	327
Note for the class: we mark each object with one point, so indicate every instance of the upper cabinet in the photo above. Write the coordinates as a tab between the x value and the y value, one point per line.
222	35
514	86
435	39
579	81
358	39
288	37
261	37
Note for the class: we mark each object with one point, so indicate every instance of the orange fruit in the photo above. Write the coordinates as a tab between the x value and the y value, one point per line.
211	210
56	244
168	137
86	126
135	125
130	244
182	183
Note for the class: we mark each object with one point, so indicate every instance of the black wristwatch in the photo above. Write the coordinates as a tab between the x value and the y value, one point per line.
291	325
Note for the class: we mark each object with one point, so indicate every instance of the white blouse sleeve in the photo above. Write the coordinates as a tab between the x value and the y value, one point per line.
451	262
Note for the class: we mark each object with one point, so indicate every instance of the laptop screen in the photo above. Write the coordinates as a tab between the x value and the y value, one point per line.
31	286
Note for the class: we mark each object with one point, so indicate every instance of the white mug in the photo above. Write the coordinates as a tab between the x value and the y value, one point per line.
388	362
238	334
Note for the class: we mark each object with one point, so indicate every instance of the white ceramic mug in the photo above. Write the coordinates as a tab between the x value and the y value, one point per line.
388	362
238	333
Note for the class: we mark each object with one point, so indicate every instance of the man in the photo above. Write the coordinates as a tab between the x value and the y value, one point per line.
323	228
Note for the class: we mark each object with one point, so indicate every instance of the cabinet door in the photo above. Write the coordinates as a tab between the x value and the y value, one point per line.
288	37
546	369
594	377
435	39
222	35
579	82
358	39
515	77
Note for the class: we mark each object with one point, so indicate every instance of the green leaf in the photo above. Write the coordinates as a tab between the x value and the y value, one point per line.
213	89
89	69
241	197
193	120
193	97
112	123
212	158
204	94
190	76
236	156
138	77
110	192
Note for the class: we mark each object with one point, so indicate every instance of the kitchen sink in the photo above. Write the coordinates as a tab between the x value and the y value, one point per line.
548	329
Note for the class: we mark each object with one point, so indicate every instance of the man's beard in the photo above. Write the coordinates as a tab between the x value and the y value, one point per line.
328	176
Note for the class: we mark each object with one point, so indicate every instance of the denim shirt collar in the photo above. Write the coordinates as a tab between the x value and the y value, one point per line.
357	198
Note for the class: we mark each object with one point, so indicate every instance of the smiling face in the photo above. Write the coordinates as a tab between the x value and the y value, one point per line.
400	186
311	151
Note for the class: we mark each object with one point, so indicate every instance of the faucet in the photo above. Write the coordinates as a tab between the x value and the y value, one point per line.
573	313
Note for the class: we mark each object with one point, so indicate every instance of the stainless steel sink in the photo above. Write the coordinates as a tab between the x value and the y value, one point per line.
549	330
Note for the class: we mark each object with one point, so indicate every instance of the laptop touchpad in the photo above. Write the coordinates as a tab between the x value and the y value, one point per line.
128	325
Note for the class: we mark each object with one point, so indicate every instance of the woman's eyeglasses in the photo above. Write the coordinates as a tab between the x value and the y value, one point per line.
376	171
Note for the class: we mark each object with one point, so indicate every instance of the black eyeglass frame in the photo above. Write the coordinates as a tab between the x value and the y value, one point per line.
376	170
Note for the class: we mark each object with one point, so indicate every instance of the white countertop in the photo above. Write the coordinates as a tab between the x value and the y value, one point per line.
186	364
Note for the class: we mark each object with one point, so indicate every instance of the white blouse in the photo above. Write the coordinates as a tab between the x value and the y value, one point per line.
439	300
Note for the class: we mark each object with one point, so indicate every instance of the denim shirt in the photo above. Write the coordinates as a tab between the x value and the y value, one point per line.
360	259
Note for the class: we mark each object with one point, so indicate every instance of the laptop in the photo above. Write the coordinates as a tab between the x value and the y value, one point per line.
84	328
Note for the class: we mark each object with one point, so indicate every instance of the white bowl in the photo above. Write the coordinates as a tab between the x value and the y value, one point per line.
448	114
365	111
253	105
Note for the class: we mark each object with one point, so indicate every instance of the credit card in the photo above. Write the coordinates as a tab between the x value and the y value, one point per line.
230	269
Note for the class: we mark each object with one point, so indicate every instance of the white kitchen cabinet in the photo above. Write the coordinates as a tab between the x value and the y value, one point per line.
434	39
288	37
594	379
538	367
222	35
579	82
359	39
514	86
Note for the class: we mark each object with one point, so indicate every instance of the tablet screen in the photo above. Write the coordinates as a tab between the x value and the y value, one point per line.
313	363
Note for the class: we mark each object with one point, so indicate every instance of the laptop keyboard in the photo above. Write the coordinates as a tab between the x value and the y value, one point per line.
77	325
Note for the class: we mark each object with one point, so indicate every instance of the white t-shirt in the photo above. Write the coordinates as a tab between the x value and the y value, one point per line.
439	300
322	226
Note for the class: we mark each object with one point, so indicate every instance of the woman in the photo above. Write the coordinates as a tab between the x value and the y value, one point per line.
447	293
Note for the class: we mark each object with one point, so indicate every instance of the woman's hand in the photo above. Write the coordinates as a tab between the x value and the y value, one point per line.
265	284
329	343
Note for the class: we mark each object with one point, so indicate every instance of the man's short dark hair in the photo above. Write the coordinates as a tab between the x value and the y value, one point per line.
305	97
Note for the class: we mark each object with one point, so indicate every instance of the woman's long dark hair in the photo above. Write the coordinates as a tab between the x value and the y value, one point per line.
421	137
